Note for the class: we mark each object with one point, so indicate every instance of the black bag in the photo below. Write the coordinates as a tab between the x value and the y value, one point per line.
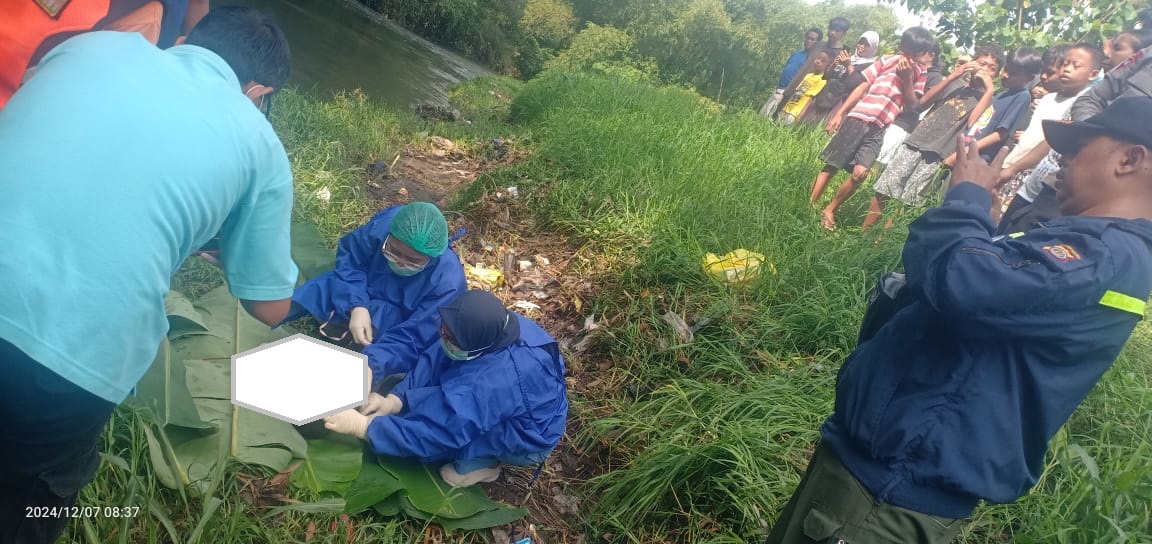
887	297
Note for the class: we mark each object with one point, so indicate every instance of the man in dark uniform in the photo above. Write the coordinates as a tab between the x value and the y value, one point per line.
954	399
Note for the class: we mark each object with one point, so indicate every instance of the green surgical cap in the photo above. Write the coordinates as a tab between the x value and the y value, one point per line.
422	226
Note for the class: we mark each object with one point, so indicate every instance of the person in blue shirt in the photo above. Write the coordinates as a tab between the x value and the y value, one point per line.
491	392
117	161
791	68
391	275
954	398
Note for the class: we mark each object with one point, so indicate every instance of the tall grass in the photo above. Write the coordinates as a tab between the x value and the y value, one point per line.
705	440
709	438
126	479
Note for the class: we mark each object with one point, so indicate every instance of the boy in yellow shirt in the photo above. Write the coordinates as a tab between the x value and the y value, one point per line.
809	87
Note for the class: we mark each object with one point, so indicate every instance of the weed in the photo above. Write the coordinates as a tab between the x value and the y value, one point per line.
701	440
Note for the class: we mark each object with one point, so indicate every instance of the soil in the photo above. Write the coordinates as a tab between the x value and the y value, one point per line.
544	278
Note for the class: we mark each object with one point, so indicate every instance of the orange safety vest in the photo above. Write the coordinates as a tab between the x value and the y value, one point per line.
28	31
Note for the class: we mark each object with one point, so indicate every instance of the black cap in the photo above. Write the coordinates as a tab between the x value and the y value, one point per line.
1128	119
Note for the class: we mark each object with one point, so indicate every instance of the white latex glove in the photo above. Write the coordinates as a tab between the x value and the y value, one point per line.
379	405
349	422
360	325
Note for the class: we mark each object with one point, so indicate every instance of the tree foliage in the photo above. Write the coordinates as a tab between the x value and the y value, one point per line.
606	50
1037	23
486	30
728	50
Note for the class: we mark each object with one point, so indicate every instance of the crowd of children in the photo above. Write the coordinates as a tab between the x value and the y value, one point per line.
901	113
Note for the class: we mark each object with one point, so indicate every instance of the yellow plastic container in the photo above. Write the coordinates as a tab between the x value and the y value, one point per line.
487	276
736	267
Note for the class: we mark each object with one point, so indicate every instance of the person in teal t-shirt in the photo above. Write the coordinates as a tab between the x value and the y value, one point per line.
117	161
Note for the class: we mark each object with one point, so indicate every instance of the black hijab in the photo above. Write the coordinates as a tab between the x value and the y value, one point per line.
479	321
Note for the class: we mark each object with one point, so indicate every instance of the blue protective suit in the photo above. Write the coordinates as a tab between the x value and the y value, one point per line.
511	402
403	308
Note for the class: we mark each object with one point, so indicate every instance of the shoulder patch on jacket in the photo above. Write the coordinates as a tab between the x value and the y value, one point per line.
1062	252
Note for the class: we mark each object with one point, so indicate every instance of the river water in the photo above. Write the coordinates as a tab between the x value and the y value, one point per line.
340	45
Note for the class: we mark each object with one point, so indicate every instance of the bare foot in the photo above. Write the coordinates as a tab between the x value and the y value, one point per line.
828	221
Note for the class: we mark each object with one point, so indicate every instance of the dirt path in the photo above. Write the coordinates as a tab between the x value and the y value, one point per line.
534	270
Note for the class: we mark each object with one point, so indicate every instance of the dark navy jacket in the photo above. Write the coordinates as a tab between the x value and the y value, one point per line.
955	399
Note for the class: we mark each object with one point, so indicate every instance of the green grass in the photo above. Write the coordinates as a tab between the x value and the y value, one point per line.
707	439
701	441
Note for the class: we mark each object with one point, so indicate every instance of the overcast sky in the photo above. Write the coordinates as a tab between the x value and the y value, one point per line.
906	19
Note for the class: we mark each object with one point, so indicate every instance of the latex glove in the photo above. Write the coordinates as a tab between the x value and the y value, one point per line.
380	405
360	325
349	422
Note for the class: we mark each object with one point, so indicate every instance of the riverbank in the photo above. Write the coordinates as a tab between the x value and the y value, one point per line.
695	403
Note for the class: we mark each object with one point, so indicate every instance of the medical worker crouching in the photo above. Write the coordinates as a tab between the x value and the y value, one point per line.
491	392
391	275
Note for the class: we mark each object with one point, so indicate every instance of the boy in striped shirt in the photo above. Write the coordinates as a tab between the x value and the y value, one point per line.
895	82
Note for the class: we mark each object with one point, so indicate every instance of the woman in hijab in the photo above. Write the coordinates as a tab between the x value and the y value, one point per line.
845	74
491	392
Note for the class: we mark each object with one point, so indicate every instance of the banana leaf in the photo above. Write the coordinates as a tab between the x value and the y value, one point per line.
164	470
501	515
162	390
489	518
493	518
249	437
429	493
264	440
209	379
372	486
183	319
189	388
388	507
310	251
225	320
333	462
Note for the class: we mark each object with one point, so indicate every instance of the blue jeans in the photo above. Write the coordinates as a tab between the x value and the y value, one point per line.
464	466
48	446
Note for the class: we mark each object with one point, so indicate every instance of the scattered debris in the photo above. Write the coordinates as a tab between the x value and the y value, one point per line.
436	112
489	278
525	305
552	285
682	329
324	194
500	536
497	149
378	168
262	492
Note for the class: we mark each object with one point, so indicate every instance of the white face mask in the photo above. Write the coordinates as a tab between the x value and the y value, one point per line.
263	98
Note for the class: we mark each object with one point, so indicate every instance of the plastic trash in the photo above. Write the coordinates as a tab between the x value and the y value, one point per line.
488	276
736	267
